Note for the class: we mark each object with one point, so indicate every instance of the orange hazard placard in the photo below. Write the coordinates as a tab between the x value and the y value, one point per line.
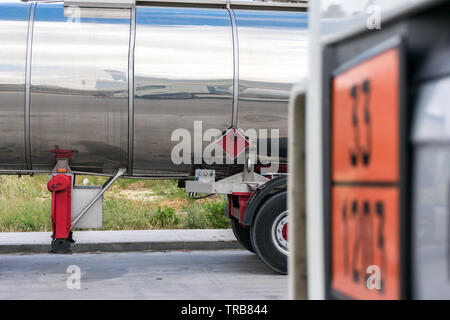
365	130
365	178
365	242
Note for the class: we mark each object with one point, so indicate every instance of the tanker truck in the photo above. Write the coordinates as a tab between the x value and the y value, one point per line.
195	91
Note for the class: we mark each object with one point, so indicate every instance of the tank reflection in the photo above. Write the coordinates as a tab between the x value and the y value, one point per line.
272	57
13	39
183	73
79	89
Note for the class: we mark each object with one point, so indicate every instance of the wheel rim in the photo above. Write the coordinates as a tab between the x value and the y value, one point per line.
279	232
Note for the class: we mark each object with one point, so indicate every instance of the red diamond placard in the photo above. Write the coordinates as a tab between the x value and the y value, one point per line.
233	142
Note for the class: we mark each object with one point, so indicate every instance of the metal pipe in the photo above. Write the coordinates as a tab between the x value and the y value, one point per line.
28	87
120	173
131	91
223	4
235	69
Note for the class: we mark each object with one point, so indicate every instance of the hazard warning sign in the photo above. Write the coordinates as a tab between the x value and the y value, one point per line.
365	242
365	121
365	179
233	142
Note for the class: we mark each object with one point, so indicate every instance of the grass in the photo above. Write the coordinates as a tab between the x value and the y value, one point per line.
130	204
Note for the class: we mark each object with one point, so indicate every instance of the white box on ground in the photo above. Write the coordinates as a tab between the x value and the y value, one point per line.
81	197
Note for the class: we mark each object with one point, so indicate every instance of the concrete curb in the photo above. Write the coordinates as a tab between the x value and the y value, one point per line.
123	241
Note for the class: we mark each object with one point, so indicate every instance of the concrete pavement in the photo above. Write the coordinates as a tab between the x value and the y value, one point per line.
224	274
119	241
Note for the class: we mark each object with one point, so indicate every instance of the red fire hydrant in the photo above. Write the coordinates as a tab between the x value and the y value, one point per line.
61	188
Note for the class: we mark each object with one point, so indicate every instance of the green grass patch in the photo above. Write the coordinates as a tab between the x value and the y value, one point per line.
131	204
207	215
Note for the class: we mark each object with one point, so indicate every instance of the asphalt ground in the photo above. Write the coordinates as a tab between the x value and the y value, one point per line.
221	274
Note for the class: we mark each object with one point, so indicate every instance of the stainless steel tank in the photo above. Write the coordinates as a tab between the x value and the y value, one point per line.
113	87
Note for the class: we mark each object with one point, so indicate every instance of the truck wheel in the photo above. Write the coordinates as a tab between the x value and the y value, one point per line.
242	234
269	232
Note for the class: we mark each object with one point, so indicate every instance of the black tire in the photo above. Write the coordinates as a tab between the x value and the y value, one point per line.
261	233
242	235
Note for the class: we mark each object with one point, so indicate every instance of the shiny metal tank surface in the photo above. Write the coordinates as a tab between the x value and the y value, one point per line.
13	49
272	56
112	86
79	89
183	73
